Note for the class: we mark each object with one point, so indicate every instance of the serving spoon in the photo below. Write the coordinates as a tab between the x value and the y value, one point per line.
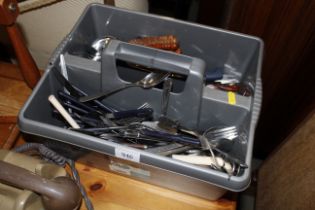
150	80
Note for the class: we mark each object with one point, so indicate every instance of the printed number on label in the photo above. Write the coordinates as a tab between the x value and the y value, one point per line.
127	154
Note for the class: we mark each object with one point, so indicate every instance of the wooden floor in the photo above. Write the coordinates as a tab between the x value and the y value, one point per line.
106	190
13	92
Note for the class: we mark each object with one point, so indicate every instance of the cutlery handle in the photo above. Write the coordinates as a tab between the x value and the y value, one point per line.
206	160
76	92
213	74
105	93
166	42
65	97
140	113
170	137
52	99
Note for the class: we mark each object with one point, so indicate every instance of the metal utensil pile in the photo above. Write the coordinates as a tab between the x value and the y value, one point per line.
137	127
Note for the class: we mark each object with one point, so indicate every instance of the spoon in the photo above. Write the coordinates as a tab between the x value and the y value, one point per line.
149	81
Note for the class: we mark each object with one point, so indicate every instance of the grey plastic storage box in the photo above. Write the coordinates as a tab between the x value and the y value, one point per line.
195	105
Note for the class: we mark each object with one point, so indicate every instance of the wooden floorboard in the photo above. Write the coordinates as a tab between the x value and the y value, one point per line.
11	71
13	92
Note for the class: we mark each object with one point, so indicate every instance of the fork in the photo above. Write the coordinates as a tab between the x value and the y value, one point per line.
217	133
144	105
211	134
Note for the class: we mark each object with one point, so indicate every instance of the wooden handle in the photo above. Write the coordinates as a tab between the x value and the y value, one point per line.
167	42
27	65
205	160
54	101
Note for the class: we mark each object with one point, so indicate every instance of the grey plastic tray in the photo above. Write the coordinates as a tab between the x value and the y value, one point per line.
204	48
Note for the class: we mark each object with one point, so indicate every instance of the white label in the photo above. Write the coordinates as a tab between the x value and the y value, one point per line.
129	170
127	154
120	169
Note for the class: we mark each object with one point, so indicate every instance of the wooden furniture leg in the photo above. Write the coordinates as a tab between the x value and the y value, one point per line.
8	14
